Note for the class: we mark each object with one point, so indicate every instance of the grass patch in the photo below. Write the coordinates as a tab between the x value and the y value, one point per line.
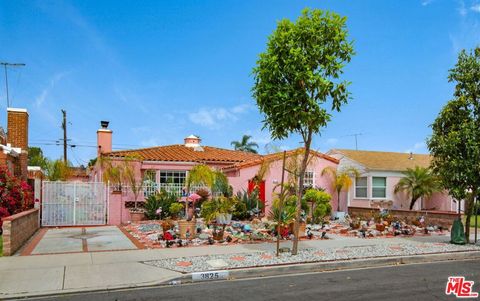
472	221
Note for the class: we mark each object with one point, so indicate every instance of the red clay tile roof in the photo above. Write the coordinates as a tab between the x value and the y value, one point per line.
181	153
278	156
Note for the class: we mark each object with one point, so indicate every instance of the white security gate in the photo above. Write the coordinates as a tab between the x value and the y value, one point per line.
73	203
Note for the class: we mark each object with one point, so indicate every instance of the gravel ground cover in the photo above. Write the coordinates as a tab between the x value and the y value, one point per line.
244	260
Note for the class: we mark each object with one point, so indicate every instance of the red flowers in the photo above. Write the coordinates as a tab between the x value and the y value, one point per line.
15	194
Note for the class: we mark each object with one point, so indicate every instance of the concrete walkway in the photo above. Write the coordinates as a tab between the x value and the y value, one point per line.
61	273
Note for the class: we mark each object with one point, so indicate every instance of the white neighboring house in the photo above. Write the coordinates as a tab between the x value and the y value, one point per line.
379	173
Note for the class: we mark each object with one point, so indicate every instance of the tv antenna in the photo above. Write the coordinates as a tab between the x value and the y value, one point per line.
5	66
356	138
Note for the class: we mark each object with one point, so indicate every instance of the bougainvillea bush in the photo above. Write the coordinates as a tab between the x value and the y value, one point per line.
15	194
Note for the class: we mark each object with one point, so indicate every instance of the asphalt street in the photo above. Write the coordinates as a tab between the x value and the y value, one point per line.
403	282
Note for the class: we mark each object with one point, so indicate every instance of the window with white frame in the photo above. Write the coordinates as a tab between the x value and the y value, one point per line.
379	187
361	184
173	177
309	179
149	182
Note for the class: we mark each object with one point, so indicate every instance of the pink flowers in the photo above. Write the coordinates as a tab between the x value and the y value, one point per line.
15	194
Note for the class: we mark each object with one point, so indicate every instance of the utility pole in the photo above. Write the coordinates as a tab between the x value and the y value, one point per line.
5	65
64	127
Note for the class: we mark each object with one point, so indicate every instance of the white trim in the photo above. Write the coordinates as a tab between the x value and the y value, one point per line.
386	185
104	131
17	110
355	188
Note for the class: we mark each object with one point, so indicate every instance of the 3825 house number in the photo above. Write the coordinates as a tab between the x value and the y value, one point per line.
207	276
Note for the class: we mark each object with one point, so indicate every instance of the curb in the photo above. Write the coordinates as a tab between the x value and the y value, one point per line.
300	268
269	271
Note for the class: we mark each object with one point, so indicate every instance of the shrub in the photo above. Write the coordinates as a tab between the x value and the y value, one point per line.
15	194
161	200
250	200
240	212
175	209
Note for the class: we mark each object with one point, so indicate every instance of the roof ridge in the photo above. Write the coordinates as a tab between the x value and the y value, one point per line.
374	151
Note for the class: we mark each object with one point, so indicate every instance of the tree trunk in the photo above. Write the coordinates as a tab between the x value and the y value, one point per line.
338	201
469	201
303	167
281	200
412	202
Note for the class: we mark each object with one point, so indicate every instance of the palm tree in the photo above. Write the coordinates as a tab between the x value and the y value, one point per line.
341	179
418	182
244	145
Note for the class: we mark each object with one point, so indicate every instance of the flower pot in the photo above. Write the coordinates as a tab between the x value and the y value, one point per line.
301	229
187	226
224	219
137	216
218	235
380	227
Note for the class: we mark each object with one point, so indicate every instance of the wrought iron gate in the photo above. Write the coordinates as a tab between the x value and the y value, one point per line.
73	203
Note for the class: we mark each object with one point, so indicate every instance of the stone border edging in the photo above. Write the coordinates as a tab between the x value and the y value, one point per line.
286	269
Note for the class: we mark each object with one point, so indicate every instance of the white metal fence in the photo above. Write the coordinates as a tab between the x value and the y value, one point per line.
73	203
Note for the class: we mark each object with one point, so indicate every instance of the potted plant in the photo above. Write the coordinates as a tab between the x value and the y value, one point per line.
218	212
282	216
175	209
291	201
167	224
199	175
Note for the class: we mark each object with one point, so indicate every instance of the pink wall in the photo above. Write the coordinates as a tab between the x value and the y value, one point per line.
239	180
438	201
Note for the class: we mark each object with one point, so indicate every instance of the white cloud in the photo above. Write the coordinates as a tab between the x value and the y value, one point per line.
427	2
475	7
417	147
40	99
213	118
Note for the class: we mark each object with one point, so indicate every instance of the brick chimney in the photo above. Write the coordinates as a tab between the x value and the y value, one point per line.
17	136
17	128
104	138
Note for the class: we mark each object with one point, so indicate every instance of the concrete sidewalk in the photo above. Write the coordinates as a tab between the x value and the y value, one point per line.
62	273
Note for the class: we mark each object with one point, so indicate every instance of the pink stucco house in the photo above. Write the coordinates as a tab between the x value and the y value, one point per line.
168	166
380	172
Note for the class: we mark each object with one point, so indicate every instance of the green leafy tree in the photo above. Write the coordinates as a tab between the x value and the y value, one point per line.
36	157
320	202
298	75
245	145
455	141
418	182
58	170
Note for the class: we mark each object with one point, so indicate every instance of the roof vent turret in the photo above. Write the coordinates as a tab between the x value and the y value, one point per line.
192	141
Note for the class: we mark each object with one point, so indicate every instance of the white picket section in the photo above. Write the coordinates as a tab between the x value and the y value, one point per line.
73	203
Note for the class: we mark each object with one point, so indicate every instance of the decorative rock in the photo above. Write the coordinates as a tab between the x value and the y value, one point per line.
203	236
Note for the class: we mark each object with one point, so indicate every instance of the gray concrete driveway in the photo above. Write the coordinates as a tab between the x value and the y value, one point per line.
80	239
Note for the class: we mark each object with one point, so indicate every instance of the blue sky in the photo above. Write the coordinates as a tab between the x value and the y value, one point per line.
161	70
